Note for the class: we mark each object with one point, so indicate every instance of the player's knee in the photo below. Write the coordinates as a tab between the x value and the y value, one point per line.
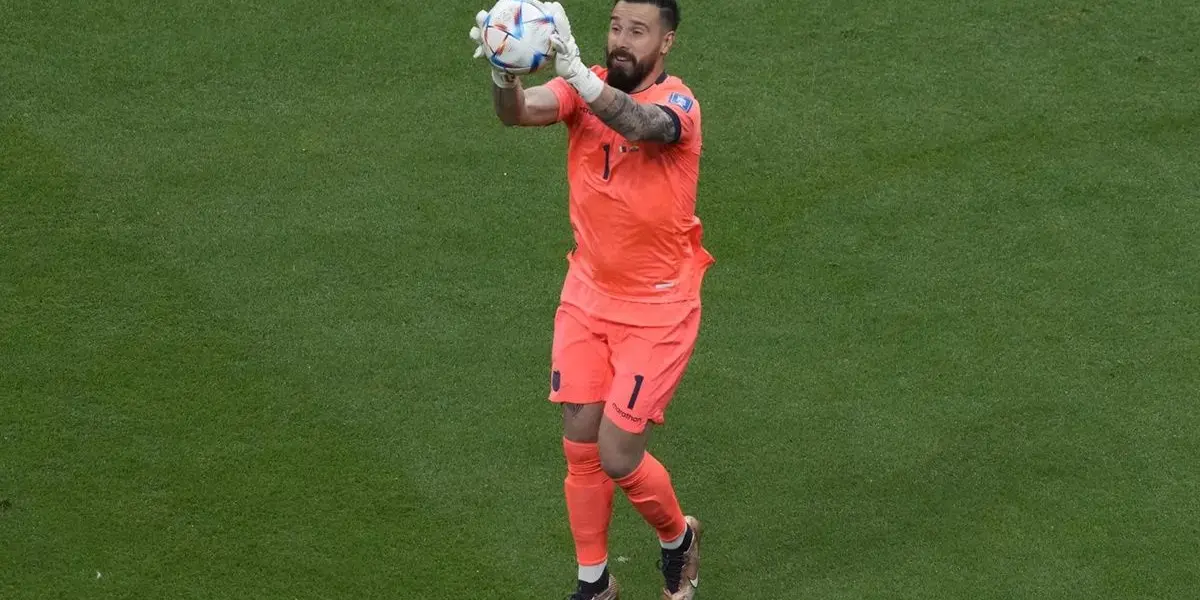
581	422
619	462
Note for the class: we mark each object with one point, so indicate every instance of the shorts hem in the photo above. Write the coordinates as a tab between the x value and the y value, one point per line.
627	424
574	401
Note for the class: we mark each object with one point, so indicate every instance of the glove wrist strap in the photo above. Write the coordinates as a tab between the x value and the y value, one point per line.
504	80
589	85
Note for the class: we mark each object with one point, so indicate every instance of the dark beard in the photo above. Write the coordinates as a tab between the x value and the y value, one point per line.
623	80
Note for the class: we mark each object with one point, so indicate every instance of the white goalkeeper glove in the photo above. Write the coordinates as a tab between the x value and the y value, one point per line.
501	78
557	13
571	68
566	54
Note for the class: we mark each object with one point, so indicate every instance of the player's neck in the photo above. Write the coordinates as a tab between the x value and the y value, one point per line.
652	78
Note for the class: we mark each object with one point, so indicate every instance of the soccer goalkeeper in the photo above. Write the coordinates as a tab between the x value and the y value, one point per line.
629	310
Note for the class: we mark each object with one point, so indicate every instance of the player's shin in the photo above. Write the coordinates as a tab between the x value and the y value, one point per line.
650	491
589	495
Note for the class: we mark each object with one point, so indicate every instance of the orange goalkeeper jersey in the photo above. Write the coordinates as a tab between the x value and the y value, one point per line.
638	256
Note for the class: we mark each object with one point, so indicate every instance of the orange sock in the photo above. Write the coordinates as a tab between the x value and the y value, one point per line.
589	493
649	490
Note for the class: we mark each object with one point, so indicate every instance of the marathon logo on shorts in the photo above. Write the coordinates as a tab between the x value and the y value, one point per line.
624	415
681	101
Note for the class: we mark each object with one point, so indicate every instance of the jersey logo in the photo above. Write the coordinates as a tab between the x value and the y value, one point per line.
681	101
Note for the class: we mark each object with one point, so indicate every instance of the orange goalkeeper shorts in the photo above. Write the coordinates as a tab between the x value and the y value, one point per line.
633	369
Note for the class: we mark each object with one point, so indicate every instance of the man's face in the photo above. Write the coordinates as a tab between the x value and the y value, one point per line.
637	42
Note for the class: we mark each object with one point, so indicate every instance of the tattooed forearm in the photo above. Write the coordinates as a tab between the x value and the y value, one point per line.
508	103
634	120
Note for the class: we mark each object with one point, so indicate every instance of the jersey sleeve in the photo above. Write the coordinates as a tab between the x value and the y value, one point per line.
683	108
568	99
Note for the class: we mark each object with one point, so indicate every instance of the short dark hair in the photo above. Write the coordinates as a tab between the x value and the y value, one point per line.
667	9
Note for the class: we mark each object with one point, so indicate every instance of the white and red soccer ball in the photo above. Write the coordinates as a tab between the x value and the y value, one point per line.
516	37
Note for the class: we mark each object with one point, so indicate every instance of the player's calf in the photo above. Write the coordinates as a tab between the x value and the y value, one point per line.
644	480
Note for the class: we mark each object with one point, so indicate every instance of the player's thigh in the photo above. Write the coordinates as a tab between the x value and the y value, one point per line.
579	362
580	372
648	365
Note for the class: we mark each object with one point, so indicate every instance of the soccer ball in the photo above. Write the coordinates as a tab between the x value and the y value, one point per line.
516	37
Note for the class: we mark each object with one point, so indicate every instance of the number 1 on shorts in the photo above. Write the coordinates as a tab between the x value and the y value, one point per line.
637	387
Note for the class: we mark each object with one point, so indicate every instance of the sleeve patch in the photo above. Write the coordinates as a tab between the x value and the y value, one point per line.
681	101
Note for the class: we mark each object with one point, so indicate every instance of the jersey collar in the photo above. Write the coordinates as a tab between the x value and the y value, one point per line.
662	78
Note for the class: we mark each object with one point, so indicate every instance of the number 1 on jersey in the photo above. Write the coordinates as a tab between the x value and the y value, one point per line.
607	157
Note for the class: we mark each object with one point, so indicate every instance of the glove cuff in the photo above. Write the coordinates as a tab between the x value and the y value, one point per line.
504	80
588	84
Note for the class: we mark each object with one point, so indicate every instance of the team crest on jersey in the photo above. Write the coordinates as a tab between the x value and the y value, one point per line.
681	101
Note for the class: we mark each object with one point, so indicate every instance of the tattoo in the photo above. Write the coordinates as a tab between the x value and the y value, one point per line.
508	103
634	120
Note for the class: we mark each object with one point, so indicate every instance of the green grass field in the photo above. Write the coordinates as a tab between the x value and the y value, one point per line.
276	295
